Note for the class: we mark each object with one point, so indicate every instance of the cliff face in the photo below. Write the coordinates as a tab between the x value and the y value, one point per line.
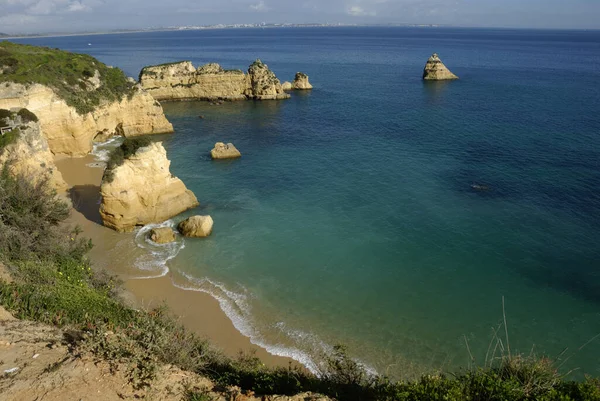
143	191
435	70
181	81
70	133
30	155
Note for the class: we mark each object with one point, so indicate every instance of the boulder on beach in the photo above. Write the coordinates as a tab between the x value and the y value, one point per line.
162	235
196	226
301	82
225	151
435	70
287	86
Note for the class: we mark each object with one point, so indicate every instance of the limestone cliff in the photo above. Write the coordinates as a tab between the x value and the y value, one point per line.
143	191
301	82
181	81
71	133
29	154
435	70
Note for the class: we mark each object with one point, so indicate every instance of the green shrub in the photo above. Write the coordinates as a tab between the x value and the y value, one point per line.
9	137
4	114
27	116
122	153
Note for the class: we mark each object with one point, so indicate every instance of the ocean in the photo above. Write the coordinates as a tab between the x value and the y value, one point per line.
352	218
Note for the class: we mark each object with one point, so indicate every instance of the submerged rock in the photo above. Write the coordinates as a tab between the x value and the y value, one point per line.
143	191
196	226
301	82
162	235
224	151
435	70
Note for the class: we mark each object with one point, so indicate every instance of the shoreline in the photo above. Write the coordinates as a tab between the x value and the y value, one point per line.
197	311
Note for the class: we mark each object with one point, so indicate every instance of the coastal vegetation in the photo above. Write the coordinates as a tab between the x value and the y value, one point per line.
122	153
80	80
54	282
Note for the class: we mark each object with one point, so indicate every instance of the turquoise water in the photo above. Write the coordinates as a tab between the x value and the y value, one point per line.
351	218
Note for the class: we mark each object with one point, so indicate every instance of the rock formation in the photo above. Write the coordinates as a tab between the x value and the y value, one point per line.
162	235
181	81
264	83
70	133
287	86
30	154
143	191
224	151
301	82
196	226
435	70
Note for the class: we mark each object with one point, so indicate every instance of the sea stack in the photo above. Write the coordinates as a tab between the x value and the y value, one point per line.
435	70
264	84
301	82
142	191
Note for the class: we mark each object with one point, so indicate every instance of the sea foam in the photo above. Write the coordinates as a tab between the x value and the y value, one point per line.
157	255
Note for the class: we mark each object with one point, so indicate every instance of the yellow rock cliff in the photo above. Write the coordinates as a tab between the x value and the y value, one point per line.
143	191
70	133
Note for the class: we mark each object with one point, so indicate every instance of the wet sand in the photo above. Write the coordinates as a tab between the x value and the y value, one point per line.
196	310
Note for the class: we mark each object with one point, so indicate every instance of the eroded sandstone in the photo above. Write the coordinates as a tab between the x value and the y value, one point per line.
143	191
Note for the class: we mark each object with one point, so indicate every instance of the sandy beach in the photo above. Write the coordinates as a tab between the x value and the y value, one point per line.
196	310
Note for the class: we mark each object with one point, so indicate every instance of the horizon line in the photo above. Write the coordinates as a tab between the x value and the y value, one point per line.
272	26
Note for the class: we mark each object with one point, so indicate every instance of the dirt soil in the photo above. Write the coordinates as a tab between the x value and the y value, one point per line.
38	363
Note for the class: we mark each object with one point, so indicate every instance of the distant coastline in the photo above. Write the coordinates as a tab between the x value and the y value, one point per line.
214	27
4	36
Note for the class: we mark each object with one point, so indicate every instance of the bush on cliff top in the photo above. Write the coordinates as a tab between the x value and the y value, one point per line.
65	72
122	153
54	283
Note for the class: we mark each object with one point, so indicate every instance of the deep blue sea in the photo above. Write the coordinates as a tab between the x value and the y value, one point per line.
351	216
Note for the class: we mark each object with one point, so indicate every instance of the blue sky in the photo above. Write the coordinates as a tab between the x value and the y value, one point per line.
34	16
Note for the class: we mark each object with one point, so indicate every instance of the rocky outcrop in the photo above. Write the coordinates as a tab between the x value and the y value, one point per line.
162	235
264	83
196	226
301	82
181	81
29	155
287	86
143	191
70	133
224	151
435	70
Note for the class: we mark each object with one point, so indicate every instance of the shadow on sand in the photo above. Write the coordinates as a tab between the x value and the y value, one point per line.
86	200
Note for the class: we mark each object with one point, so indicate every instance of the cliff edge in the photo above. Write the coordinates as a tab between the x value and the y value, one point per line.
75	97
142	190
